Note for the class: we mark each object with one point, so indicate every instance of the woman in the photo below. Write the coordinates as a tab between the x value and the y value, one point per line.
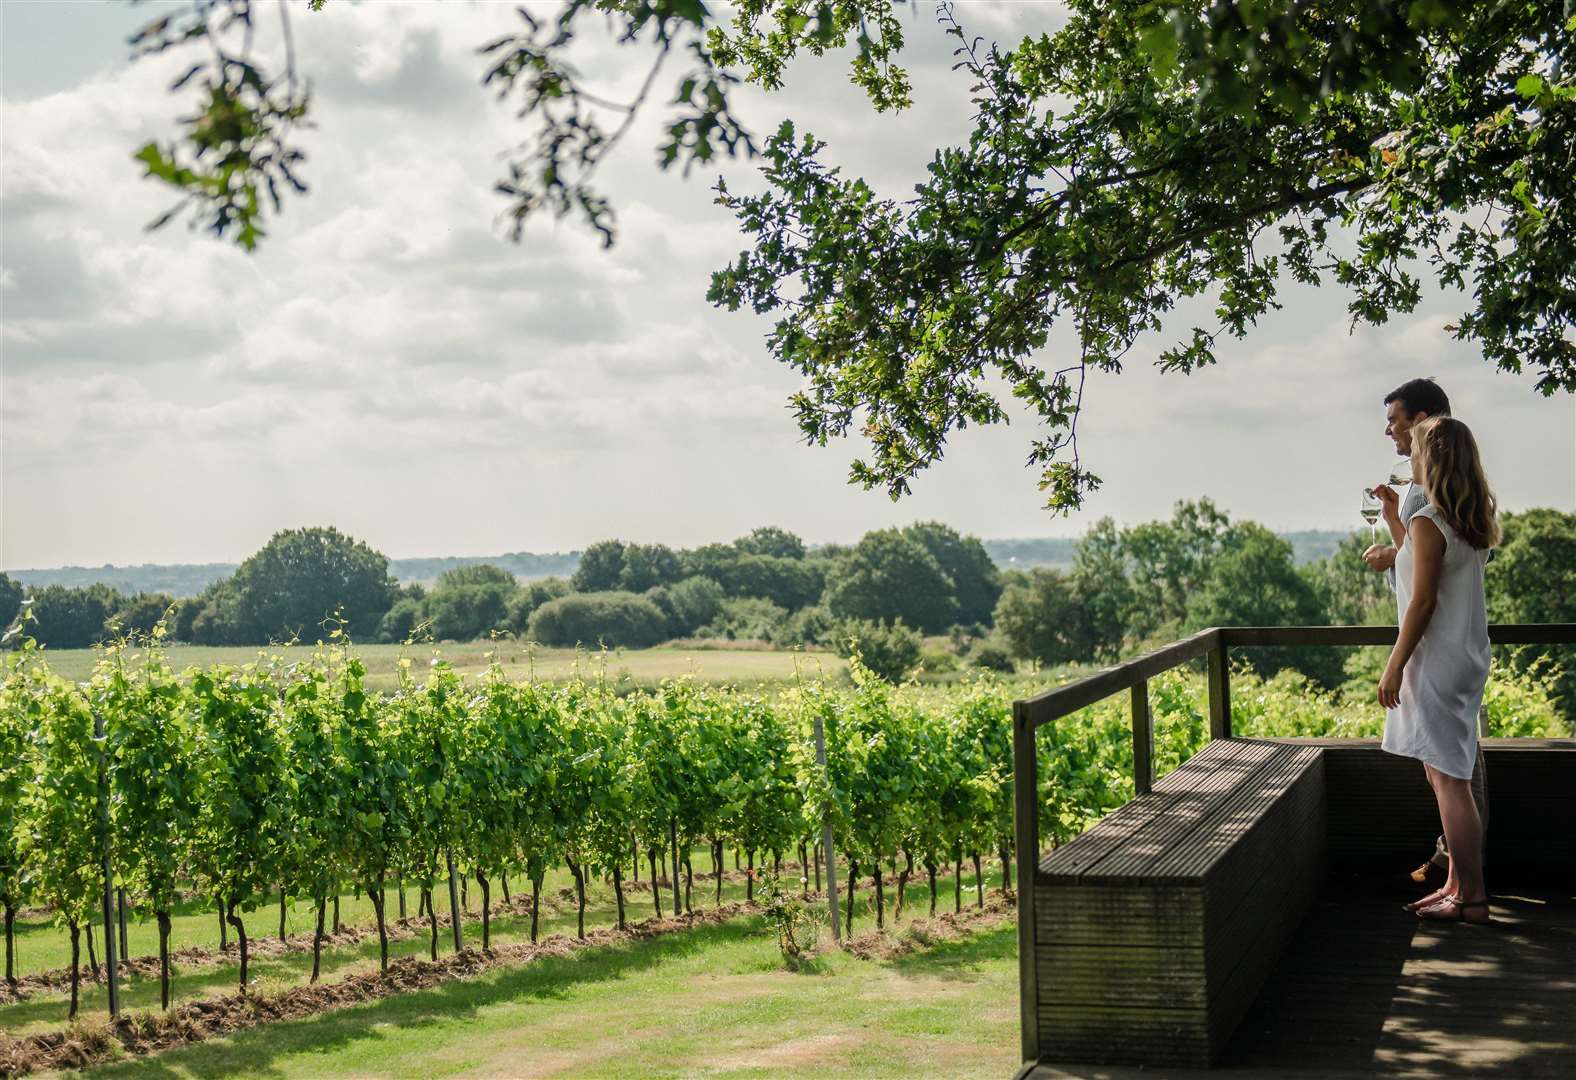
1432	688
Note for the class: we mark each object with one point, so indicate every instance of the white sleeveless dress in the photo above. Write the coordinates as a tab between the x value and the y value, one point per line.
1442	684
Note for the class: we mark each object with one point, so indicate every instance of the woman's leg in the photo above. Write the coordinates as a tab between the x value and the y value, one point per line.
1464	834
1449	887
1437	780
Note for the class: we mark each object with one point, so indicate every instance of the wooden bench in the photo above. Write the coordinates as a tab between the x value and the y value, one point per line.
1156	928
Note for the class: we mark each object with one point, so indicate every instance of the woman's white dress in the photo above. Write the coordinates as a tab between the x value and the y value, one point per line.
1442	684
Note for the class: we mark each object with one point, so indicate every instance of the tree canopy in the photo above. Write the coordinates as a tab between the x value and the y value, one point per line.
1142	154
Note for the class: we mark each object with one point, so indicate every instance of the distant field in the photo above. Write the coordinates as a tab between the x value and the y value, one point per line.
639	666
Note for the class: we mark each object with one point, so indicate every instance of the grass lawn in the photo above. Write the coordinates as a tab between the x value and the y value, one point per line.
638	666
705	1000
713	1001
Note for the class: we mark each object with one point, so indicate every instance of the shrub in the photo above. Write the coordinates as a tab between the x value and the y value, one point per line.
890	651
400	620
532	595
993	656
615	619
747	618
938	661
807	626
688	604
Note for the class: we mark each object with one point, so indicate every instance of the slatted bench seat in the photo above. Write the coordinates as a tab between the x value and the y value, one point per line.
1157	927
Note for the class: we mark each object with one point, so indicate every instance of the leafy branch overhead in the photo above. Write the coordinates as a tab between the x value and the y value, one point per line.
1142	154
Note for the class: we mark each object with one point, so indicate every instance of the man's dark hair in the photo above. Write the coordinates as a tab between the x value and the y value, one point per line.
1420	396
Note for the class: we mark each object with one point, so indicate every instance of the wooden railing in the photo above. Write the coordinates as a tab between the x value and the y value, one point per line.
1216	643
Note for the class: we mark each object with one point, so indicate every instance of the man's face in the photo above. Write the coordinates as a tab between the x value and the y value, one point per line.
1398	426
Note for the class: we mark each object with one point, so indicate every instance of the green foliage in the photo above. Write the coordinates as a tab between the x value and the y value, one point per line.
66	618
465	612
889	576
532	595
474	574
17	768
59	839
888	651
688	604
746	618
401	620
1532	578
149	738
991	656
243	784
786	581
975	581
302	578
613	619
10	598
772	541
243	778
139	614
1124	158
938	661
798	924
647	566
1351	593
1253	582
601	567
807	626
1041	618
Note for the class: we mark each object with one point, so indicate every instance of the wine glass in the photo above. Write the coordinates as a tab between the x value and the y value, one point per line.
1370	511
1401	473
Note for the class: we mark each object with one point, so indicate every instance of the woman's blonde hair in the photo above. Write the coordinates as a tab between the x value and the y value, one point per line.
1452	475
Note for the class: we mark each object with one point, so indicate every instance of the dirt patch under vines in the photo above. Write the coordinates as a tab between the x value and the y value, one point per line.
265	946
923	933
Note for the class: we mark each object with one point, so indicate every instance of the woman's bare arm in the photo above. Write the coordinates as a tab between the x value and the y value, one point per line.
1428	559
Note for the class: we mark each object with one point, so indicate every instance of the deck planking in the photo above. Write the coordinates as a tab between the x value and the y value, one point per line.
1365	989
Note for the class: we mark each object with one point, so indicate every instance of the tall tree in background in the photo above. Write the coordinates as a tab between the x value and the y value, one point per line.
1533	579
889	576
976	583
770	540
302	577
1145	152
601	567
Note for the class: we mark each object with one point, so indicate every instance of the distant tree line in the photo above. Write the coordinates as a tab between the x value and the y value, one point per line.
1127	589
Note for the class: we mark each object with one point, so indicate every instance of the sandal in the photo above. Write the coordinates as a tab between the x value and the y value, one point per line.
1426	901
1457	910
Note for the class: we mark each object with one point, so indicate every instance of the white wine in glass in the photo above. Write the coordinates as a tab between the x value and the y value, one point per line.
1370	511
1401	474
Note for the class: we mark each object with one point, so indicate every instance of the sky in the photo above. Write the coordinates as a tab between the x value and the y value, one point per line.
390	363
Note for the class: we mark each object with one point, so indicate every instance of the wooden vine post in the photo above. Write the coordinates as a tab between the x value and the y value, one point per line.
826	839
454	900
111	967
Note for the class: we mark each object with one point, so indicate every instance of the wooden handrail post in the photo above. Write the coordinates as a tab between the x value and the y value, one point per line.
1143	741
1026	835
1219	692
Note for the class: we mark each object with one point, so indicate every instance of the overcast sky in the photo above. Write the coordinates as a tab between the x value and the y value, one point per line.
389	363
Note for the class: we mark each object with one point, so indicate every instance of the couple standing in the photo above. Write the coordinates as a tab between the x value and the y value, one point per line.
1432	688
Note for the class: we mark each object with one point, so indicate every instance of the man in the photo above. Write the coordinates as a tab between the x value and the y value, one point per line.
1405	407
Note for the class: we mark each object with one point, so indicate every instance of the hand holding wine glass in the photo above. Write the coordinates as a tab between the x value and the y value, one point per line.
1371	509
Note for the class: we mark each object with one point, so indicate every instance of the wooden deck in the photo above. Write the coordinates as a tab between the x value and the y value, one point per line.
1365	989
